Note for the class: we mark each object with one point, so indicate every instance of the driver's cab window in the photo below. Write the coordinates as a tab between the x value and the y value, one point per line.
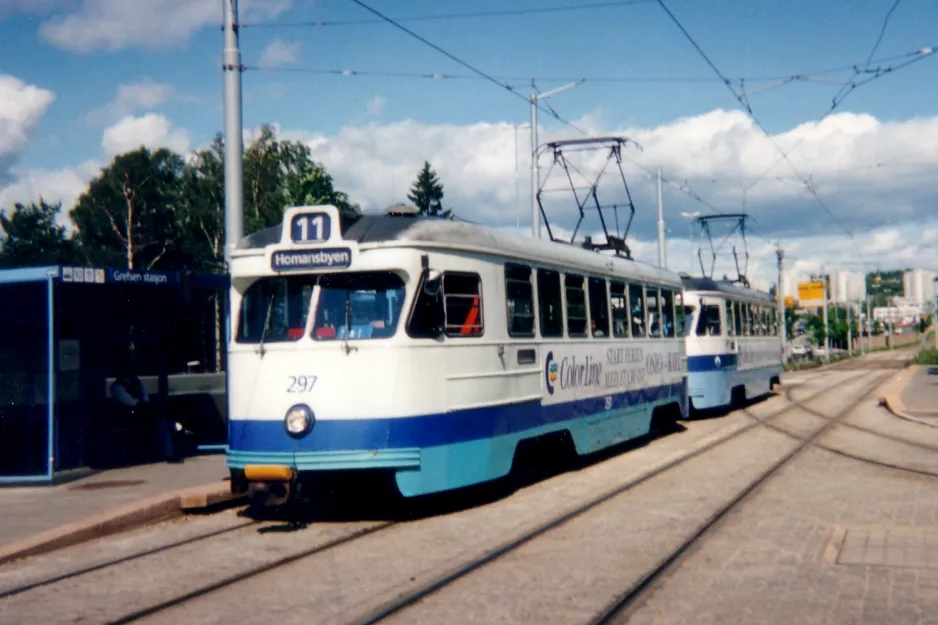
709	323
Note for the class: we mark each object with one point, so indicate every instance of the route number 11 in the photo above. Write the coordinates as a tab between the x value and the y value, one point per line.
310	227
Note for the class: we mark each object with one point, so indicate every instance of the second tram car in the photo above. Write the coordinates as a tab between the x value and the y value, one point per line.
733	346
432	348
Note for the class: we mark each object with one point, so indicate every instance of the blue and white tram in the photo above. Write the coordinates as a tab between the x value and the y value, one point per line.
732	342
432	348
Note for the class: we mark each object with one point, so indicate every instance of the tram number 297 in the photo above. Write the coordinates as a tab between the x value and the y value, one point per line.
300	383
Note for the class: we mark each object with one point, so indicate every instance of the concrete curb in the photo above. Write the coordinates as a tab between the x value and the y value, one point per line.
891	399
129	516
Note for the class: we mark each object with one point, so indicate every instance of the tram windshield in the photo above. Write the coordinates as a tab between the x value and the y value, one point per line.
360	305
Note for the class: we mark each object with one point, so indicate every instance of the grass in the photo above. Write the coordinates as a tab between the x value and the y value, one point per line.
926	356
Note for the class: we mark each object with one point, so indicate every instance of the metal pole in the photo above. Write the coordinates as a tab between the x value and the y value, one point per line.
517	195
234	151
780	297
662	259
849	332
535	172
827	336
869	324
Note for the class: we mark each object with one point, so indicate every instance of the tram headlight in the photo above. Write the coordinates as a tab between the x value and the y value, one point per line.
298	421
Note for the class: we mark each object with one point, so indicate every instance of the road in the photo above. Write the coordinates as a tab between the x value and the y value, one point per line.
778	512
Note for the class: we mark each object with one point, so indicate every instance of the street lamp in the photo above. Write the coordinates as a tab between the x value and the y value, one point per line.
535	172
690	235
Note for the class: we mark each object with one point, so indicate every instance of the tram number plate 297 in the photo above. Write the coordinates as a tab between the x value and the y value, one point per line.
300	383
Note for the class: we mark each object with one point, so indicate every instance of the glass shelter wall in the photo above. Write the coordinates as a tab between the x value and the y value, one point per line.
24	380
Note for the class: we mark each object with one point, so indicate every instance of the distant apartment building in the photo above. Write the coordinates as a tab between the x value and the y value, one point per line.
903	311
847	286
918	285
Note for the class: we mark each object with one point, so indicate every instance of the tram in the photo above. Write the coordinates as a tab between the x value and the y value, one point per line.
432	349
733	347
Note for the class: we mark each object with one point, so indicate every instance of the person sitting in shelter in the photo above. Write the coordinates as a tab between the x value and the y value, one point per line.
130	393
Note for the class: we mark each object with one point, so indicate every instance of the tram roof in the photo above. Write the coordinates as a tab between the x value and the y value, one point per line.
378	229
724	286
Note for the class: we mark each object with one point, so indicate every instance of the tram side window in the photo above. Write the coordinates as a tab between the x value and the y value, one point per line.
667	312
576	305
731	315
683	315
519	301
708	324
747	318
773	318
550	303
462	304
275	309
738	319
653	307
637	310
599	307
620	310
764	321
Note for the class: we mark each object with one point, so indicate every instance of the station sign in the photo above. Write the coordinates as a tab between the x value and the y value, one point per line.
97	275
311	240
811	294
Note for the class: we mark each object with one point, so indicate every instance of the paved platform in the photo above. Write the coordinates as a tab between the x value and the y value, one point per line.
920	397
151	490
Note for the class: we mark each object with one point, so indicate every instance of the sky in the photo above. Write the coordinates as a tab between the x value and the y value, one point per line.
83	80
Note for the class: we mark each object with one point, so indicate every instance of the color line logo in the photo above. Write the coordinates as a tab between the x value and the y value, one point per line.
551	370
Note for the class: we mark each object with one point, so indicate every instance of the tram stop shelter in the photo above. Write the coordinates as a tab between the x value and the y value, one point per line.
65	332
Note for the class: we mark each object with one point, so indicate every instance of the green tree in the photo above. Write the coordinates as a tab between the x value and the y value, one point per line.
33	238
132	214
278	174
204	219
427	193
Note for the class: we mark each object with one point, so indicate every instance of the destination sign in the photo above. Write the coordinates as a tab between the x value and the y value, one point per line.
301	260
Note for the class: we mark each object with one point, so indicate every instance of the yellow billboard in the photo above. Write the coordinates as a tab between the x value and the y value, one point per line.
811	294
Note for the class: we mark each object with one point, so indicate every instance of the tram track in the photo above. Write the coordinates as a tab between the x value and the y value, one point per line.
453	573
620	610
813	441
186	542
399	605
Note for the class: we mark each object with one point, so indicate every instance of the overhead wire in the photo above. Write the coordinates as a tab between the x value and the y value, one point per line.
511	90
882	32
453	16
802	76
456	59
755	119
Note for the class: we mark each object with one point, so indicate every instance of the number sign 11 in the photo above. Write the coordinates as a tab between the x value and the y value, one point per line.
310	227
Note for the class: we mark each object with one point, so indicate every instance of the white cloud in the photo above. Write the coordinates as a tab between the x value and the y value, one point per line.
144	95
22	106
150	130
278	52
376	105
150	24
889	208
58	185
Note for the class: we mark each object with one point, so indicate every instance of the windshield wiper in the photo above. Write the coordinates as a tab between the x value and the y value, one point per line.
348	321
270	308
